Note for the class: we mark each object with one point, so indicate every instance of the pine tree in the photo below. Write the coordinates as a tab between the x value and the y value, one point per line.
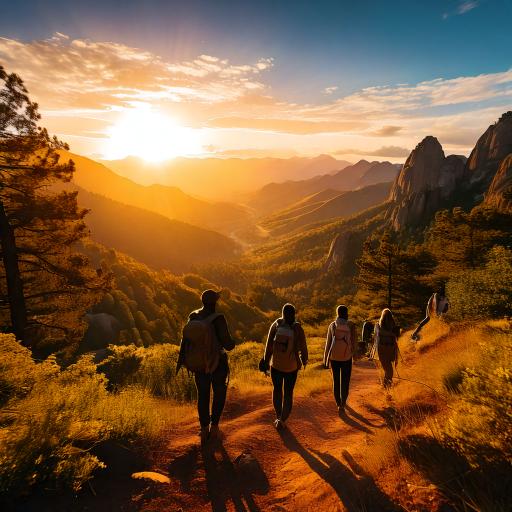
460	240
46	284
394	277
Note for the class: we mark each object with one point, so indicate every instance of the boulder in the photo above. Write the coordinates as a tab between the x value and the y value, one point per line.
151	476
338	251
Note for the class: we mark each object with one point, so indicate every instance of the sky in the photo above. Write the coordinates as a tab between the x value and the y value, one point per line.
270	78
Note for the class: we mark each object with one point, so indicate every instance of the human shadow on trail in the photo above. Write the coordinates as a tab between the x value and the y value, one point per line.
355	491
388	414
235	482
184	467
353	423
360	417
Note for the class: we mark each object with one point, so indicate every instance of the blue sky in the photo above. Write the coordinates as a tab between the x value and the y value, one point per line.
320	51
315	44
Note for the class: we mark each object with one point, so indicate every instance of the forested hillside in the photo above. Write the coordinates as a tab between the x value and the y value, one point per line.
152	306
151	238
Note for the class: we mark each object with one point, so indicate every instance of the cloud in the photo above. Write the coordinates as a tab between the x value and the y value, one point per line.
330	90
386	131
85	74
384	151
462	8
297	126
467	6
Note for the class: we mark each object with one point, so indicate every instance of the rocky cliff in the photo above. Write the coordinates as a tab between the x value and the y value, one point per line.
500	190
490	150
427	179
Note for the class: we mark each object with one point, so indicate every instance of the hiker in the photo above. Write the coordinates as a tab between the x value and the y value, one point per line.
437	306
340	347
203	352
386	341
367	335
285	353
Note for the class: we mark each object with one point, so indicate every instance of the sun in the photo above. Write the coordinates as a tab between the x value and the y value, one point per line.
150	135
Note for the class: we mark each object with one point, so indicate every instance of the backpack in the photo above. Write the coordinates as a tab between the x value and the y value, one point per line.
283	352
200	349
342	335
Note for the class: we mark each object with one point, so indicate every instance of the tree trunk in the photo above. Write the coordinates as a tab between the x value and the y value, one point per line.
15	294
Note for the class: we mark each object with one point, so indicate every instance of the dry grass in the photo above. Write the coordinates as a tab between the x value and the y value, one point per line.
436	420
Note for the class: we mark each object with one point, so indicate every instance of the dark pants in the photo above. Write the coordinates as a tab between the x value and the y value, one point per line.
341	372
283	404
218	382
387	356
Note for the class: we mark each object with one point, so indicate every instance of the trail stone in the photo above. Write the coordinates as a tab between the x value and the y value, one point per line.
152	476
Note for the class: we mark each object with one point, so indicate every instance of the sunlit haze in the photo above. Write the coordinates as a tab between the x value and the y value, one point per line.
150	135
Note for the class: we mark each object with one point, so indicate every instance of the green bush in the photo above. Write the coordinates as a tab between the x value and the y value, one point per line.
52	417
483	292
157	374
122	363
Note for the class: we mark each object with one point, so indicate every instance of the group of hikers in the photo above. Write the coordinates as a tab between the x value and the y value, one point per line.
206	340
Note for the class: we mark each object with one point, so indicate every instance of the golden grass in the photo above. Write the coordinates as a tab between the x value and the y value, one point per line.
246	378
424	414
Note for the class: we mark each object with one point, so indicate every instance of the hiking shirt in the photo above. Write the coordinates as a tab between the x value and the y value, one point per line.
341	349
289	344
220	326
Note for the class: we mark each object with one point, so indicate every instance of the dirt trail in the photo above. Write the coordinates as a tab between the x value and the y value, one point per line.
309	466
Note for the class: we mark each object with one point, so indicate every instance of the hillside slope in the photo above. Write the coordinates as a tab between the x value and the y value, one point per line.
151	238
170	202
342	205
277	196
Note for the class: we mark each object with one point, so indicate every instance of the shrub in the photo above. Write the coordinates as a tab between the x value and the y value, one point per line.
52	417
481	427
483	292
157	374
120	366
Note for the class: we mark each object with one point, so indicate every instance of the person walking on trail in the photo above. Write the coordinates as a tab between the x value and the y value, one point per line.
437	306
340	347
203	352
367	335
386	341
285	353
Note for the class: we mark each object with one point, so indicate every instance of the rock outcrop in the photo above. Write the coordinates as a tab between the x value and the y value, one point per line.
500	191
427	179
490	150
339	251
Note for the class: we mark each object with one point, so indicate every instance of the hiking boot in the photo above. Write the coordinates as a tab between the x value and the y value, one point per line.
204	435
215	433
341	409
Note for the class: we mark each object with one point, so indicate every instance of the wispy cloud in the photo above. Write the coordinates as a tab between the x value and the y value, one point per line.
467	6
386	131
462	8
330	90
